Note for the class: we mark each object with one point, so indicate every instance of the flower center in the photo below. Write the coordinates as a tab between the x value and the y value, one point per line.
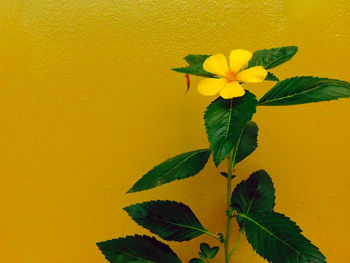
230	76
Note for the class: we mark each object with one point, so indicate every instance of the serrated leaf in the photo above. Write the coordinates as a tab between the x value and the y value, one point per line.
176	168
137	249
271	77
254	195
195	67
248	141
224	122
168	219
278	239
273	57
300	90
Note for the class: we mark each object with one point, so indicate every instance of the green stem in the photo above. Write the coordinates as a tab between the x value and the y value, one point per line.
235	246
229	209
212	235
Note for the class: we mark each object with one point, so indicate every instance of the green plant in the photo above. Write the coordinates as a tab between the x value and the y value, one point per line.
232	136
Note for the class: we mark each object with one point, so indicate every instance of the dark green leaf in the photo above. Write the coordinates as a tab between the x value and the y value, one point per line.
202	255
300	90
254	195
196	260
207	251
273	57
270	76
179	167
213	251
168	219
278	239
137	249
224	122
248	141
195	67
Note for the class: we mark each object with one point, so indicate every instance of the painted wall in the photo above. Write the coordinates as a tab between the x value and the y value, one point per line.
88	104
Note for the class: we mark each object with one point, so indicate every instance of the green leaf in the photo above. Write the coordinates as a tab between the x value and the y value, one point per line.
137	249
224	122
168	219
273	57
300	90
176	168
195	66
207	251
202	255
254	195
278	239
196	260
213	251
248	141
270	76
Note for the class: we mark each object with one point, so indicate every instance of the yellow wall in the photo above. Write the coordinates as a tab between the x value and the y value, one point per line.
88	104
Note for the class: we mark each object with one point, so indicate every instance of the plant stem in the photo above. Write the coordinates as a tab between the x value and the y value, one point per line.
235	246
229	209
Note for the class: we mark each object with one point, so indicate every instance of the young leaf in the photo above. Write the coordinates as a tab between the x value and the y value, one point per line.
248	141
207	251
213	251
168	219
176	168
300	90
254	195
224	174
195	66
221	237
278	239
140	249
270	58
202	255
224	122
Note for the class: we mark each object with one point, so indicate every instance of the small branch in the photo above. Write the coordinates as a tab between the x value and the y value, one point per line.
212	235
235	246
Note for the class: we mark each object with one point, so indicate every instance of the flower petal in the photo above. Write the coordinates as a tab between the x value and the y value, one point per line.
210	86
239	58
252	75
232	90
216	64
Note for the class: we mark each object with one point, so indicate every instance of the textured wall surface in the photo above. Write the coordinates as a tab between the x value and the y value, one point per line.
88	104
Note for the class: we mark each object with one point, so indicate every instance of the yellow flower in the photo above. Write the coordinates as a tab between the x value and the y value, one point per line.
228	83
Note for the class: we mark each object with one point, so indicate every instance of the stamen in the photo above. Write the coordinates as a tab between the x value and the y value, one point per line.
230	76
